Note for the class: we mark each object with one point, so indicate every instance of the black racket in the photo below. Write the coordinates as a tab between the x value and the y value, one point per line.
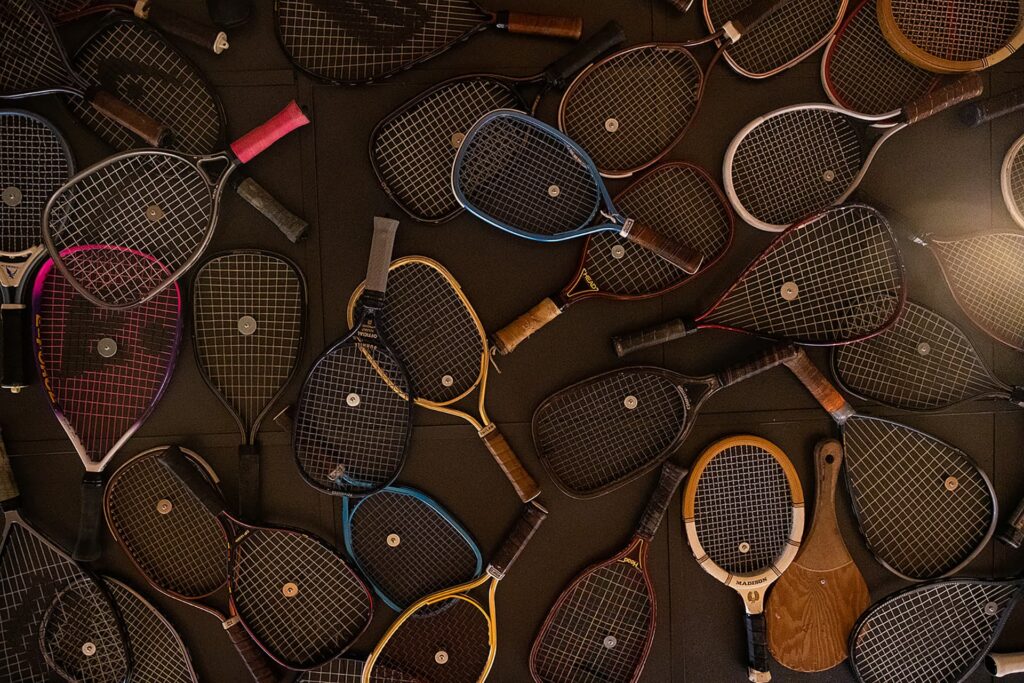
353	419
248	318
978	113
599	434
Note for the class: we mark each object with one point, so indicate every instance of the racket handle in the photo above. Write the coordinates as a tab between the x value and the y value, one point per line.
263	136
1000	665
522	328
819	386
652	336
993	108
758	659
254	660
682	256
146	127
961	90
248	482
15	320
525	485
87	547
772	358
560	72
182	27
229	13
532	517
178	465
671	476
569	28
8	484
749	17
1012	533
293	227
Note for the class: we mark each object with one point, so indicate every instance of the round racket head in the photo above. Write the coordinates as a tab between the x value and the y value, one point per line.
82	637
938	631
407	546
631	108
947	504
33	59
922	362
412	150
598	433
1011	180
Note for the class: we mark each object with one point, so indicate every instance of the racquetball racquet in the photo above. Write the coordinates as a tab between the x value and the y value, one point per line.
605	431
601	628
351	43
804	158
158	202
450	636
834	278
433	329
345	670
104	371
522	176
678	199
412	149
36	161
743	513
248	319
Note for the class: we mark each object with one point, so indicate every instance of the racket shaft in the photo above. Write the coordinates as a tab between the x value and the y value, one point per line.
525	485
993	108
1012	533
293	227
14	320
254	660
87	547
183	27
569	28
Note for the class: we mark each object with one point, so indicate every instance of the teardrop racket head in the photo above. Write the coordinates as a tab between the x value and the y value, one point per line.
346	670
82	636
1011	181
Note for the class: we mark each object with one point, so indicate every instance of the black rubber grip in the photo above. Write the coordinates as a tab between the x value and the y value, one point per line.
229	13
87	547
560	72
249	482
182	27
652	336
671	476
1012	533
977	113
758	658
14	319
188	474
771	358
293	227
532	517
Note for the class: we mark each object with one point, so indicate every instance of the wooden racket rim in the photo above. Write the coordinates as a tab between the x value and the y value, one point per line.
1004	181
925	60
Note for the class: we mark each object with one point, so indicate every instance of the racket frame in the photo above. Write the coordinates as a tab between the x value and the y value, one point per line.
1005	183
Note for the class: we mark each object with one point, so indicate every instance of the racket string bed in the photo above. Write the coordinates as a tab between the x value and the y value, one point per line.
74	618
1015	179
30	59
933	26
455	631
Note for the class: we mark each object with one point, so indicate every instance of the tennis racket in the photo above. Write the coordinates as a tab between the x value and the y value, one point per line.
924	508
804	158
953	37
158	653
63	11
977	113
743	511
923	362
136	63
412	149
407	545
603	432
862	73
38	583
521	175
1004	664
1012	533
36	161
248	315
33	62
937	631
350	43
176	544
1011	181
154	201
681	201
344	670
785	37
833	278
601	628
433	329
631	108
450	636
104	371
354	415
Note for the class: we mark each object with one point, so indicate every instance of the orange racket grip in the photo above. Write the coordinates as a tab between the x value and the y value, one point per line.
525	485
254	660
522	328
568	28
146	127
263	136
963	89
680	255
819	386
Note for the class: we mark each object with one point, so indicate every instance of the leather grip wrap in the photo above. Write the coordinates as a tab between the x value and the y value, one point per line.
652	336
819	386
254	660
522	328
993	108
178	464
532	517
525	485
146	127
87	547
187	29
961	90
263	136
293	227
681	256
8	485
14	320
1012	533
758	659
569	28
772	358
671	476
559	73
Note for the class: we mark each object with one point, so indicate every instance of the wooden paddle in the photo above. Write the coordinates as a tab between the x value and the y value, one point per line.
813	607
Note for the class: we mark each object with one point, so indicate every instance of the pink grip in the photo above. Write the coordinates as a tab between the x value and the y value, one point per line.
260	138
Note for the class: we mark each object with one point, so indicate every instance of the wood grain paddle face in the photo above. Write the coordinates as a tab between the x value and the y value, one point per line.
813	607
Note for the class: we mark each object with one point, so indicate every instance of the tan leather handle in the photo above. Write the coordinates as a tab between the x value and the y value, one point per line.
522	328
525	485
961	90
569	28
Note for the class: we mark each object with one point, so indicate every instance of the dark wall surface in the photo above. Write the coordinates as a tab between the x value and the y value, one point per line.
943	176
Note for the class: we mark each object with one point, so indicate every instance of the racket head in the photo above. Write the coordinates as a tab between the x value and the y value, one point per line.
949	509
41	65
923	362
958	38
407	545
1011	181
631	108
946	626
783	38
345	670
862	73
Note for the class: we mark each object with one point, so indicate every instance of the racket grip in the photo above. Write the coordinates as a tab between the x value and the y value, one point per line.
87	547
146	127
533	515
671	476
14	320
610	35
772	358
1012	533
182	27
293	227
249	482
569	28
254	660
229	13
993	108
525	485
263	136
522	328
682	256
961	90
1000	665
758	659
652	336
819	386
